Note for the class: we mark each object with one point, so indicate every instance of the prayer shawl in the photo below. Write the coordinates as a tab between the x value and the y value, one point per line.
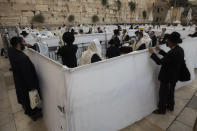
87	55
123	36
144	40
98	46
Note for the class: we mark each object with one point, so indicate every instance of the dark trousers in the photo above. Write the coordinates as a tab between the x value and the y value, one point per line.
166	95
27	109
2	51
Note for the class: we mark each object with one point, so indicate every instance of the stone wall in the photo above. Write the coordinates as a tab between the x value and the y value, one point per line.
160	10
13	12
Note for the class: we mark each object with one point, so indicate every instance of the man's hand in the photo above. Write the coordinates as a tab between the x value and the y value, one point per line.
151	50
27	44
158	48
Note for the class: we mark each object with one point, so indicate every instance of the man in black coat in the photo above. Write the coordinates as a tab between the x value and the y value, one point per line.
113	50
68	52
194	34
169	73
25	77
153	38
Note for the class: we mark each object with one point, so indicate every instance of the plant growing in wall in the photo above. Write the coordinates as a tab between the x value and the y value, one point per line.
118	4
105	3
95	19
144	14
71	18
39	18
132	6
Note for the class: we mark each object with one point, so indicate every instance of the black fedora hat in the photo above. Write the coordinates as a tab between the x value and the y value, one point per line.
175	37
24	33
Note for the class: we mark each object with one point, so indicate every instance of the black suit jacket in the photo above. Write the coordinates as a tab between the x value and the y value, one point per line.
25	76
170	64
112	51
68	54
154	41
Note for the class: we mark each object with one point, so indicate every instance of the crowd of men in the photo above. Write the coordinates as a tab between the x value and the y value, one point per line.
120	43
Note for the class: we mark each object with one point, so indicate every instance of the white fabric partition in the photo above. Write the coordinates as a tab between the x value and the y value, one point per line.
51	76
109	96
104	96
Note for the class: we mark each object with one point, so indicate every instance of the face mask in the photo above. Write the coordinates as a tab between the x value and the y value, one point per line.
137	38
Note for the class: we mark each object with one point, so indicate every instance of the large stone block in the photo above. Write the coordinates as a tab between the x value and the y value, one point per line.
23	7
28	13
42	7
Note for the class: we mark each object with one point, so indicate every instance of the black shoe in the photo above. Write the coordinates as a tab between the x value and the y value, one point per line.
170	108
159	112
36	116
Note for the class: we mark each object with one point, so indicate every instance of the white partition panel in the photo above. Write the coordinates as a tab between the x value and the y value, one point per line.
113	94
104	96
51	75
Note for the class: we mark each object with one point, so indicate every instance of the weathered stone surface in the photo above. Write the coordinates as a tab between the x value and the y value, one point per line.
193	103
22	11
188	117
8	77
177	126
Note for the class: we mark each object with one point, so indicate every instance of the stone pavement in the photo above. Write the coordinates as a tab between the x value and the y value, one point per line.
12	116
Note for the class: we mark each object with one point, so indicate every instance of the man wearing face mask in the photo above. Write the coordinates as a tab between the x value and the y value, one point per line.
170	72
25	76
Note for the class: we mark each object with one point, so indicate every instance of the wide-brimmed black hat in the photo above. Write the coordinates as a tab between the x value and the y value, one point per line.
24	33
175	37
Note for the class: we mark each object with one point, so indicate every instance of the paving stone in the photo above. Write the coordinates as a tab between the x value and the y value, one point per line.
9	80
194	84
185	93
3	91
179	105
148	126
36	126
133	127
5	105
188	117
13	100
162	121
11	87
8	127
5	118
193	103
24	123
178	126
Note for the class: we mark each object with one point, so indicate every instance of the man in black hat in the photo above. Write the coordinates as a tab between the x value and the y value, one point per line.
69	50
25	76
24	34
169	73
